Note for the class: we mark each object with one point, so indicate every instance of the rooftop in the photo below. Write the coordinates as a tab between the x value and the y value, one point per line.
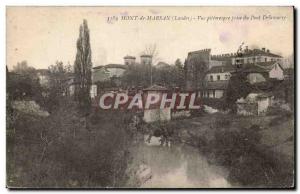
42	71
259	67
111	66
144	55
258	52
221	69
129	57
253	97
162	64
221	85
156	88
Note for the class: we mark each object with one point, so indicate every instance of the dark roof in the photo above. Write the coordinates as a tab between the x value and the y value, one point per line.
98	67
288	71
221	69
129	57
43	71
156	88
264	95
216	85
268	63
144	55
255	52
252	68
253	97
260	67
116	66
162	64
111	66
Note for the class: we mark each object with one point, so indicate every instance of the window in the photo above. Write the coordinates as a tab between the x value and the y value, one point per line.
211	78
275	67
214	93
266	59
227	77
218	77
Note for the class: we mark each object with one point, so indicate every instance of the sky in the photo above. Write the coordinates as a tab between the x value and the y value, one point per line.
43	35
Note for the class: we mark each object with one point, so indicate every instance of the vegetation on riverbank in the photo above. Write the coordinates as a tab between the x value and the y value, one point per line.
65	150
256	152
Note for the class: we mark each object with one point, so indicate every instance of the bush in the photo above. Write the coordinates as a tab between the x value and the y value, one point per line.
250	164
67	150
223	122
275	110
282	115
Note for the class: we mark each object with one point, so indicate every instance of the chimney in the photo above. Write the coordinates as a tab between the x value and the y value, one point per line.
263	49
268	51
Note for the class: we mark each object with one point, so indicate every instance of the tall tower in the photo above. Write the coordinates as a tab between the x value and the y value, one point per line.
146	59
196	65
129	60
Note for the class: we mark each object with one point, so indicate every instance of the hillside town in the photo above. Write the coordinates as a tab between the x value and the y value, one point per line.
241	136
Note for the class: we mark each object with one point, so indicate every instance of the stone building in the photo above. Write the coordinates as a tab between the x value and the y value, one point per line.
199	66
254	104
146	60
253	56
196	65
263	71
156	114
216	82
44	76
129	60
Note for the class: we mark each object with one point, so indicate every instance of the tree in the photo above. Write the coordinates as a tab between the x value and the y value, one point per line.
135	75
178	63
58	84
23	68
151	49
23	83
82	68
238	87
179	73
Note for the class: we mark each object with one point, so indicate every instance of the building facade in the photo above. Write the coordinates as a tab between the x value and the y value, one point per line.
216	82
253	56
254	104
263	71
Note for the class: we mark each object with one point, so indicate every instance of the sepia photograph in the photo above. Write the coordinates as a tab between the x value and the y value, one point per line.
150	97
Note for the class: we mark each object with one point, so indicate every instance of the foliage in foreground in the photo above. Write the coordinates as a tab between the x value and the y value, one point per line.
65	150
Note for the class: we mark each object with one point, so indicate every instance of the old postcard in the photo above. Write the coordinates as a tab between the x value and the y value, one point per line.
150	97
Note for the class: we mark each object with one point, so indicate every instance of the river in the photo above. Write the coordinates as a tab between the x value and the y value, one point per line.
178	166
